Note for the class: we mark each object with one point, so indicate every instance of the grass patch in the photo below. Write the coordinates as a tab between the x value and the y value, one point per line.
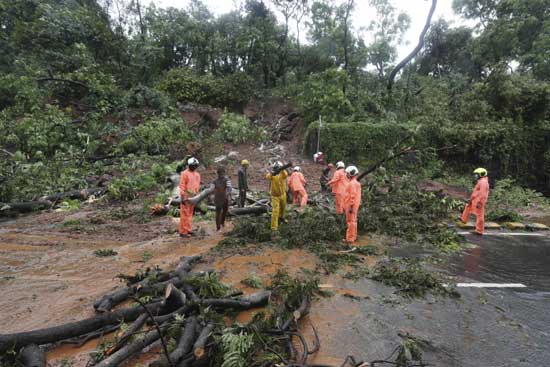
253	281
105	252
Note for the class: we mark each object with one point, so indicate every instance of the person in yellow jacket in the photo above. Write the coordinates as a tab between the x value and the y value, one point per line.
277	190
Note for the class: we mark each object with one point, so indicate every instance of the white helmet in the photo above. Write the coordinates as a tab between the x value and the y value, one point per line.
352	171
278	165
297	169
193	162
340	165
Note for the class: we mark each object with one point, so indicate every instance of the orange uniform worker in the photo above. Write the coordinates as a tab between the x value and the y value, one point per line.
296	183
352	201
338	183
477	202
190	181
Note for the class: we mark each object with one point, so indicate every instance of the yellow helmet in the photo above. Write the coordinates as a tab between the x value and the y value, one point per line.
482	172
245	162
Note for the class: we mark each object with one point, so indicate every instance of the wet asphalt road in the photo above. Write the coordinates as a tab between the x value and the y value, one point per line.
484	328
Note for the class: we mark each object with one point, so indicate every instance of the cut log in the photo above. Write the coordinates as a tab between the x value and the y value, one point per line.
249	210
303	309
254	300
25	207
199	348
184	345
175	294
134	327
171	316
32	356
130	350
75	194
108	301
66	331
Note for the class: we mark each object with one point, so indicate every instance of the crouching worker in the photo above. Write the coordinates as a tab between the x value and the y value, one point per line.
277	189
222	195
352	202
477	202
190	182
296	182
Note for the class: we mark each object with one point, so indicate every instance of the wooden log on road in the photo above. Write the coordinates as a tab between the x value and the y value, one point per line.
71	330
32	356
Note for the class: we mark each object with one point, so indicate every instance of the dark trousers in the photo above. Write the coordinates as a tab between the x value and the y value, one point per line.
242	198
221	212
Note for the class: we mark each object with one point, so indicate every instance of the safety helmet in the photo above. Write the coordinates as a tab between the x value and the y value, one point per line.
352	171
340	165
482	172
245	162
193	162
277	165
297	169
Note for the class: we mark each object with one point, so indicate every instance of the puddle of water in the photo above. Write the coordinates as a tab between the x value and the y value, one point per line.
235	268
506	260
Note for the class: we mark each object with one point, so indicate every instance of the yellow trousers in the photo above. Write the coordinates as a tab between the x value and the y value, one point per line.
278	209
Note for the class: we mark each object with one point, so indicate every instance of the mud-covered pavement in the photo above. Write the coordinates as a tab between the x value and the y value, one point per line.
50	275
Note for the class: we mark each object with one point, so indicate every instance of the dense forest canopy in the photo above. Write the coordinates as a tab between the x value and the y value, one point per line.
74	73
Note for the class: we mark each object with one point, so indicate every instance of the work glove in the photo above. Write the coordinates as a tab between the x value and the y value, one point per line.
478	206
351	210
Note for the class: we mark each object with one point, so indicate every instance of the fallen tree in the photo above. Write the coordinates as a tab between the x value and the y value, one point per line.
49	201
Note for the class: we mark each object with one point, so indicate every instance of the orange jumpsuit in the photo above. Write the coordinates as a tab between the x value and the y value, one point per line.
477	204
338	183
351	205
296	183
190	182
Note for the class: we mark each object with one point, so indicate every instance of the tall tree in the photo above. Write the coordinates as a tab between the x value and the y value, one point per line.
388	30
415	51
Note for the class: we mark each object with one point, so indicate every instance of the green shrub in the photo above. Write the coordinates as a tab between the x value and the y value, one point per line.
157	135
234	128
232	91
360	142
506	198
323	94
408	213
128	188
142	96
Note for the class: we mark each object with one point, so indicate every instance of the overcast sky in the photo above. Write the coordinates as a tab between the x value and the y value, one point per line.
416	9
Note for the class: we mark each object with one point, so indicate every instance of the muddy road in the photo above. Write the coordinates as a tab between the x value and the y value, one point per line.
49	275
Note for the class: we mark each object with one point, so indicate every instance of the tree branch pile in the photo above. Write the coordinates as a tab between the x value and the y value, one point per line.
184	312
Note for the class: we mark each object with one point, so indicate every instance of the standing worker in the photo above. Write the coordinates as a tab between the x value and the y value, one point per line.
222	194
296	183
477	202
351	203
338	184
325	177
190	182
243	183
277	190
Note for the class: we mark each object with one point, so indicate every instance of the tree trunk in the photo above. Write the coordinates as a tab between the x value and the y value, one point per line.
32	356
131	349
418	47
199	348
73	329
184	345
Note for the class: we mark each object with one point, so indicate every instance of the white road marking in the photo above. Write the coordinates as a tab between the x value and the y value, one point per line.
505	234
491	285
